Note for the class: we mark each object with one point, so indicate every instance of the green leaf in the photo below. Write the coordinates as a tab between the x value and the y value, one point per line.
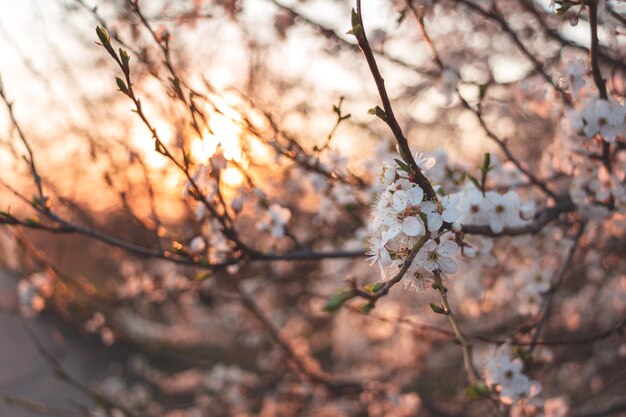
354	18
474	181
357	28
524	354
201	276
337	300
374	287
478	390
103	35
121	85
486	163
125	58
33	221
437	309
403	165
365	308
564	6
482	91
61	374
401	16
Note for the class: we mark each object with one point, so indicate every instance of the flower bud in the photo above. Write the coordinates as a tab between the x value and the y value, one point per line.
527	210
468	251
197	245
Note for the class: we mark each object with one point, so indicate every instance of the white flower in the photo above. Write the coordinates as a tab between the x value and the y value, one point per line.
197	245
504	373
387	174
599	116
433	256
275	219
527	210
576	69
416	277
537	280
473	206
406	206
528	302
447	85
504	210
424	162
377	252
449	212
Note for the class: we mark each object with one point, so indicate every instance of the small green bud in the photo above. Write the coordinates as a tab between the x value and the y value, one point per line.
478	390
482	90
354	18
375	287
337	300
121	85
486	163
378	112
474	181
437	309
367	307
103	35
125	58
403	165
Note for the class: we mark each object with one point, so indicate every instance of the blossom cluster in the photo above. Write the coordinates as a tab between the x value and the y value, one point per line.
503	373
493	209
598	116
535	283
404	218
33	292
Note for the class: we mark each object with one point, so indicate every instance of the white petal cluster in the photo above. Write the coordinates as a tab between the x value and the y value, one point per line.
576	70
402	216
274	220
493	209
534	283
503	372
33	292
599	116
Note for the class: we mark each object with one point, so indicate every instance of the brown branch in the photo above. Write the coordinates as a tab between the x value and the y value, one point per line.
374	296
542	218
496	16
65	376
548	303
556	36
30	160
388	116
597	73
304	364
477	113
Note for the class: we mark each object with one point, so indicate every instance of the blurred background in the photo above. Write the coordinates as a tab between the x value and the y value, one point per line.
259	79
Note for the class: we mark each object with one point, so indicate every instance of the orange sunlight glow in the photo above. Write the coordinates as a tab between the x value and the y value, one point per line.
224	135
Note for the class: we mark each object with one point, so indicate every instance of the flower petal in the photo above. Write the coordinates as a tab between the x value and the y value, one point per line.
393	231
399	201
434	221
415	196
448	248
411	226
447	265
